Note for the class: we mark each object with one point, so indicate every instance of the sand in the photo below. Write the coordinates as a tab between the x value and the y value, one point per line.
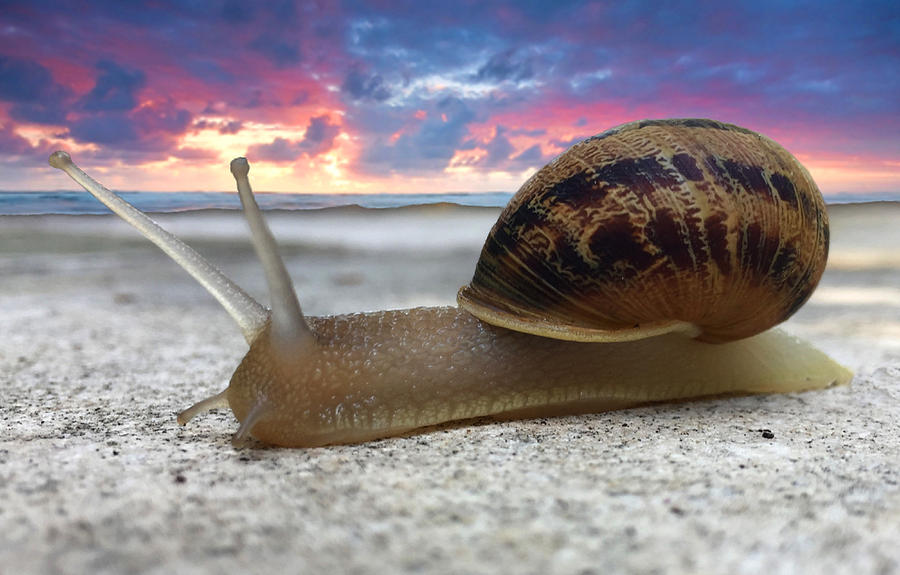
104	340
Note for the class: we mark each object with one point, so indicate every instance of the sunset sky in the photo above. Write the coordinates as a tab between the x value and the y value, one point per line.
431	97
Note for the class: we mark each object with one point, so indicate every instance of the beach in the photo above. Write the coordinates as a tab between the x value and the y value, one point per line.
104	340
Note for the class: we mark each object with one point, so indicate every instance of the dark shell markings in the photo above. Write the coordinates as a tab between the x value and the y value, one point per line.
656	226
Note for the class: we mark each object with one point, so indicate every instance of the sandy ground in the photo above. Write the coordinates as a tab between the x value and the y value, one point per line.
104	340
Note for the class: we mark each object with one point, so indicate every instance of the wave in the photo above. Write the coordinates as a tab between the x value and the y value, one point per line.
81	203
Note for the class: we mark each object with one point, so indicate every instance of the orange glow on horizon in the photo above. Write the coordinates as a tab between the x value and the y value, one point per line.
853	175
207	151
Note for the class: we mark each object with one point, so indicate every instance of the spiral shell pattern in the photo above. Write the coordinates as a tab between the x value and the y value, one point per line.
655	226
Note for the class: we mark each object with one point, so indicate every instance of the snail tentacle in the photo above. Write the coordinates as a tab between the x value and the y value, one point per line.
250	316
208	404
289	327
246	427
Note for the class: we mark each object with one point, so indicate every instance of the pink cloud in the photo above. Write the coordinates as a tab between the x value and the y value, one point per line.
318	139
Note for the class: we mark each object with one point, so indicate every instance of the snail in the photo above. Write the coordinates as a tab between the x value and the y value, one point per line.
645	264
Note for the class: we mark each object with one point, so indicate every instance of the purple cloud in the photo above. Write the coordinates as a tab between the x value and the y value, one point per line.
115	88
425	147
16	151
361	86
153	128
12	144
34	95
230	127
280	51
318	139
111	128
506	65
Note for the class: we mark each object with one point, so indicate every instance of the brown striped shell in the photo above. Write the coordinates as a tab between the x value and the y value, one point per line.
651	227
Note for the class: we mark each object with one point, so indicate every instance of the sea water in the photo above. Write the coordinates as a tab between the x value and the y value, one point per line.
75	203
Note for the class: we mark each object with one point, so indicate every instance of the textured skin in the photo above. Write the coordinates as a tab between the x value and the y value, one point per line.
380	374
654	226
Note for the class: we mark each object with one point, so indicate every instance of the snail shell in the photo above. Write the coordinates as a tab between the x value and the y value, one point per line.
651	227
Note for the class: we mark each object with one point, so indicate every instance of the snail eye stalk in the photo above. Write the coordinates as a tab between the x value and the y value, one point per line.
250	316
289	327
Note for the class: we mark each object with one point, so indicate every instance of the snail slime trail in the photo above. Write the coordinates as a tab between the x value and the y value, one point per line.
648	263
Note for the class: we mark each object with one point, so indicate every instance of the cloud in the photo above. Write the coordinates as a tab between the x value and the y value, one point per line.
154	128
361	86
530	132
257	98
232	127
112	128
161	117
318	139
319	136
531	157
11	143
279	150
499	148
283	32
115	88
236	11
35	96
506	65
194	154
425	147
500	154
569	142
585	81
221	126
109	114
17	151
280	51
23	80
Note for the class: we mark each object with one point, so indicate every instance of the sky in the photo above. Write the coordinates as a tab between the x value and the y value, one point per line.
379	96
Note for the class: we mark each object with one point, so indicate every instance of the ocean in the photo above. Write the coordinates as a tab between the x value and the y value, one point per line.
77	203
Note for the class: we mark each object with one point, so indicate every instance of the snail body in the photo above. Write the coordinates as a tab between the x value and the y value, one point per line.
683	232
385	373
